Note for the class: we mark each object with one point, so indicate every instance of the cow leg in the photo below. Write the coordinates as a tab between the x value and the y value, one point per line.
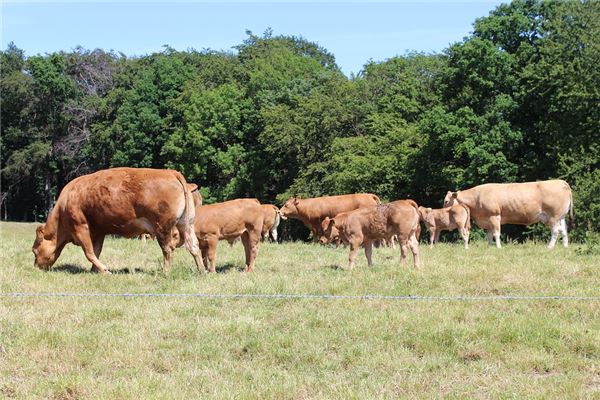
563	231
354	246
464	232
489	236
413	243
211	252
83	239
168	239
555	229
204	251
496	224
393	242
250	241
192	245
431	238
274	235
369	253
98	242
403	250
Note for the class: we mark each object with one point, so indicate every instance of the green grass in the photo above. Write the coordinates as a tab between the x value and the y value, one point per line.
145	348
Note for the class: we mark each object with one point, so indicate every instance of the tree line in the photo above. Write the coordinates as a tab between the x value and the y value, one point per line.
516	100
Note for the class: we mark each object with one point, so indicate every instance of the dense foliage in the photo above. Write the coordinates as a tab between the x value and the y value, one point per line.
517	100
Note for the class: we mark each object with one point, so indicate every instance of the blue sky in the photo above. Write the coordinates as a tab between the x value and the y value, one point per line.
353	31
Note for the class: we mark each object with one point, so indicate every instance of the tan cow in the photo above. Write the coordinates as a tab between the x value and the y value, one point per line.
447	219
230	220
496	204
366	225
271	219
312	211
119	201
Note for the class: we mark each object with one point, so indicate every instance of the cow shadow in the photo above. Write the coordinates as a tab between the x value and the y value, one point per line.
224	268
334	267
77	269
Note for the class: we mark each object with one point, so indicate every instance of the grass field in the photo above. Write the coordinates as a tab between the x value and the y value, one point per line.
146	348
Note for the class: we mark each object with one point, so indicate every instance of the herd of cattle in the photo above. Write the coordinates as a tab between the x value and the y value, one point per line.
134	201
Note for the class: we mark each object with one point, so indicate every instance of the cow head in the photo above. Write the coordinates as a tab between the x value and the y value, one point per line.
329	231
290	208
44	248
426	216
451	199
196	196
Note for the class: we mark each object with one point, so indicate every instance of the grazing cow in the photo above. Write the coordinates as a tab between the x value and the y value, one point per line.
312	211
496	204
230	220
271	219
119	201
447	219
366	225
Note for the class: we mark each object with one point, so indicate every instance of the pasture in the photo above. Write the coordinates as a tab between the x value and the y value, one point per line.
145	348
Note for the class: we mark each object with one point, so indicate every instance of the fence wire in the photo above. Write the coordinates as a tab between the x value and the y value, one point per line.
299	296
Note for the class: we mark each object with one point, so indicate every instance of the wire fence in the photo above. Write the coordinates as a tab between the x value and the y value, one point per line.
300	296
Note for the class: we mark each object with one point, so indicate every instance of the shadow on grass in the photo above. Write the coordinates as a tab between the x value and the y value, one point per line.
334	267
77	269
223	268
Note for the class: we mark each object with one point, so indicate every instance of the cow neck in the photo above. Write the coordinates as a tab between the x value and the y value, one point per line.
53	226
301	215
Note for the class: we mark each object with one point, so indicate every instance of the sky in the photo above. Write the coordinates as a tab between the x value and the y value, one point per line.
354	32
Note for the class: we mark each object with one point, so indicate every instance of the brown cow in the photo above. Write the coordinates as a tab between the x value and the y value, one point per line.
271	219
496	204
119	201
366	225
229	221
312	211
447	219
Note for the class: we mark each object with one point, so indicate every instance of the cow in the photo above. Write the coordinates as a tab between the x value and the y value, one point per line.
364	226
437	220
229	220
312	211
496	204
124	202
271	219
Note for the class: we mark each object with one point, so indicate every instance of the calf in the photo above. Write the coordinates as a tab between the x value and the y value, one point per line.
271	219
447	219
230	220
364	226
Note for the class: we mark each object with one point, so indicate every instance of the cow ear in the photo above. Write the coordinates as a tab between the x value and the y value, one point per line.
39	232
296	200
192	186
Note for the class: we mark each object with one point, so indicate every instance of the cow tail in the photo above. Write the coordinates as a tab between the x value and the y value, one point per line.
189	211
571	206
468	225
416	207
